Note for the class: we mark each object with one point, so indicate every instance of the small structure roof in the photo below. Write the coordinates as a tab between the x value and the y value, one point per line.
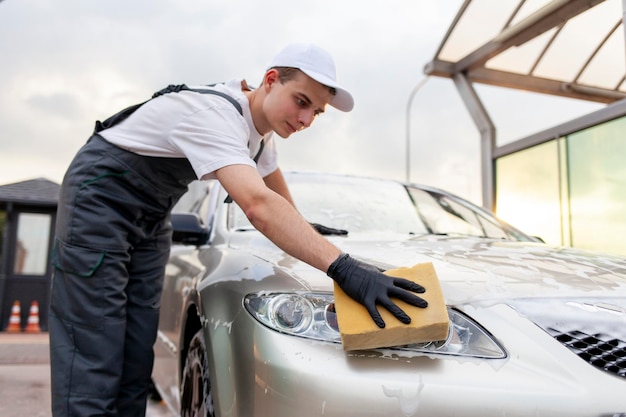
38	191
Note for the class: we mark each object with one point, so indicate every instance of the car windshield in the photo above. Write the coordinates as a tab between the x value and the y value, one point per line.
371	205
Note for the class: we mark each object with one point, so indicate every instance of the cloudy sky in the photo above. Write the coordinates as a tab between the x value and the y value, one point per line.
67	63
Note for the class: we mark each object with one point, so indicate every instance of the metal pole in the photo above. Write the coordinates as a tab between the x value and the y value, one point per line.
487	135
408	127
623	19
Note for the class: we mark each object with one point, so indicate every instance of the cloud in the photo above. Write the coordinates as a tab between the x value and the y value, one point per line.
67	64
57	105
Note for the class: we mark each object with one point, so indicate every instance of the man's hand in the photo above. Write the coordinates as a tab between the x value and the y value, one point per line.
365	284
324	230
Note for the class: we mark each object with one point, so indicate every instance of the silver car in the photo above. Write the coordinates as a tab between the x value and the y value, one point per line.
247	330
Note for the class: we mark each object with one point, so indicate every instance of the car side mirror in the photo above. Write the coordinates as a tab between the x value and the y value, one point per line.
188	229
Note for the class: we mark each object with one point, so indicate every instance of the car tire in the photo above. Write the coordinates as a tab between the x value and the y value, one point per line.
195	387
153	393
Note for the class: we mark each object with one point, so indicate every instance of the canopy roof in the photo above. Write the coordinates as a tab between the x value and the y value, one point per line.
571	48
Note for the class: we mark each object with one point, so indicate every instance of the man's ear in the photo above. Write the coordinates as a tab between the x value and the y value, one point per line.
271	76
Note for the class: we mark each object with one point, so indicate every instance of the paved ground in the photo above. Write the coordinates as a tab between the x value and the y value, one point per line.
25	377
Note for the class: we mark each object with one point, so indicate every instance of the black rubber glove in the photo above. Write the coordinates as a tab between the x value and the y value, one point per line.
367	285
323	230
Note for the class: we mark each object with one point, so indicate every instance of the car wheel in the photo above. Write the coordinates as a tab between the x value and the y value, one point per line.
153	393
195	389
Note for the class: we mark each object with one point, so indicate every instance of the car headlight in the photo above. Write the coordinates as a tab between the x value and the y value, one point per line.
312	316
306	315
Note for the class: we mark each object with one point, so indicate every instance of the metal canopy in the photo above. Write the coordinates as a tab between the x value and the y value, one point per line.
570	48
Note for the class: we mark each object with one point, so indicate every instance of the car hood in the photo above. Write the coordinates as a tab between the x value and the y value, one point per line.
474	269
471	270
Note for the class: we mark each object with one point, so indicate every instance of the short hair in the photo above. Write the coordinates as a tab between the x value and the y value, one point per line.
289	73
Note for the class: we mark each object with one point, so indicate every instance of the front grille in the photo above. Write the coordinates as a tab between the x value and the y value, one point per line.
600	350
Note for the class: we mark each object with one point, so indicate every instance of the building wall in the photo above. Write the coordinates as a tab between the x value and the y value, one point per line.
569	191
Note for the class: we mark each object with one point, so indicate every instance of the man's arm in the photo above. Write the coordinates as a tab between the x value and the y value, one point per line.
275	217
276	182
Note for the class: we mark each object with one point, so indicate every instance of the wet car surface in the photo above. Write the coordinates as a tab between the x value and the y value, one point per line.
248	330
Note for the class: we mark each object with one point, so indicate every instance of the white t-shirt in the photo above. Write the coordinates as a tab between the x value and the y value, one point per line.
204	128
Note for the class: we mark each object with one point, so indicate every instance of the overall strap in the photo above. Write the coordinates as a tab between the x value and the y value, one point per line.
123	115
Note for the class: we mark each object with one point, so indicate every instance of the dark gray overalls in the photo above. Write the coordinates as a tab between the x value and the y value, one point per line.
112	244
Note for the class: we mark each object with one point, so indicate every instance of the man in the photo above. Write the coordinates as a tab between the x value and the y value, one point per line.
113	231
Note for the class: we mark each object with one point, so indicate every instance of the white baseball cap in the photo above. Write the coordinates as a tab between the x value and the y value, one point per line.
317	64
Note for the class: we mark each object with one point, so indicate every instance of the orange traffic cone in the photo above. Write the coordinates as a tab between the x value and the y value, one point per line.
33	319
14	321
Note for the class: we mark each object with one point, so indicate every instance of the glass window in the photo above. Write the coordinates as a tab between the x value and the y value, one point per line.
193	199
597	187
493	230
31	249
445	217
528	191
448	215
353	204
368	205
196	200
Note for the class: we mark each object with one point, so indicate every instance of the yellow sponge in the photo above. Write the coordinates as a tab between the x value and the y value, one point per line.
358	330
